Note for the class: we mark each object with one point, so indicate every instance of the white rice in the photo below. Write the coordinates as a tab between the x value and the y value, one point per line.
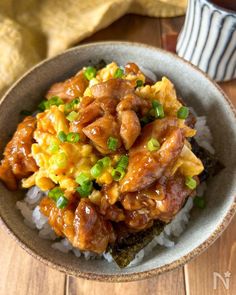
168	238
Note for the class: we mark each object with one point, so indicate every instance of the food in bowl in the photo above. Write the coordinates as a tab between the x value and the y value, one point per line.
110	161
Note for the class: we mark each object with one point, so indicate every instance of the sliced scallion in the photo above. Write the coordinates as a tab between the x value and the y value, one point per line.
153	145
190	182
72	137
112	143
62	136
183	113
90	73
118	73
118	173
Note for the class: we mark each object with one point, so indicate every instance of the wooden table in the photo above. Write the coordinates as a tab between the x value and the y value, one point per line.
21	274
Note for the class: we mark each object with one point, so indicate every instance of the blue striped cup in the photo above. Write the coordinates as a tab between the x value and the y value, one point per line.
208	39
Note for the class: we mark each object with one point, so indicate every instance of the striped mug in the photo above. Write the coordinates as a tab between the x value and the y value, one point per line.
208	38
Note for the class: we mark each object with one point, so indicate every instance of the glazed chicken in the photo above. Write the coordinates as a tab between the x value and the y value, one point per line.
105	157
18	162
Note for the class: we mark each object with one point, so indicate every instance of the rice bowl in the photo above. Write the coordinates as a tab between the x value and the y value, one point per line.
144	269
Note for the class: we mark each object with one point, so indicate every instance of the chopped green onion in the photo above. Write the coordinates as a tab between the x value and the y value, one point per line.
123	162
73	137
96	170
62	136
62	202
158	109
90	73
139	83
183	113
190	182
145	120
72	116
25	113
55	193
42	105
199	202
82	178
118	73
85	189
153	145
53	147
118	173
69	106
105	161
46	104
112	143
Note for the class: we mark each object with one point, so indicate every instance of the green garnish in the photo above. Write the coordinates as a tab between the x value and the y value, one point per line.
158	109
62	202
90	73
85	189
183	113
46	104
72	116
69	106
73	137
97	169
199	202
118	73
105	161
58	196
139	83
25	113
82	178
145	120
62	136
55	193
153	145
118	173
190	182
123	162
112	143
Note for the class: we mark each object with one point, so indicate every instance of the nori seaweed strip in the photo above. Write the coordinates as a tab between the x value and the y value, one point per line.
124	251
211	164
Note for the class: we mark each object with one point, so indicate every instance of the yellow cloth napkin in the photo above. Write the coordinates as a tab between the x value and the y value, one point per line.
31	30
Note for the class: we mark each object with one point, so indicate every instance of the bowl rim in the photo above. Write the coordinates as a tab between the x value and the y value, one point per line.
136	275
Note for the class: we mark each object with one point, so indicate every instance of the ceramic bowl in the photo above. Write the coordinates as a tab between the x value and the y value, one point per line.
196	89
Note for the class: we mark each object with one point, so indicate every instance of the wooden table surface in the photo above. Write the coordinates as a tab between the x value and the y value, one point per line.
21	274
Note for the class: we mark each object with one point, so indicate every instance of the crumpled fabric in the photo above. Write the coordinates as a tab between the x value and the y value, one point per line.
31	30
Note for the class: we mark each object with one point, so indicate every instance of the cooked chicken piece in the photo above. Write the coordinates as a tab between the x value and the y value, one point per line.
61	220
108	208
18	162
147	166
69	89
135	103
138	220
132	68
100	131
163	200
92	231
130	127
113	88
84	227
